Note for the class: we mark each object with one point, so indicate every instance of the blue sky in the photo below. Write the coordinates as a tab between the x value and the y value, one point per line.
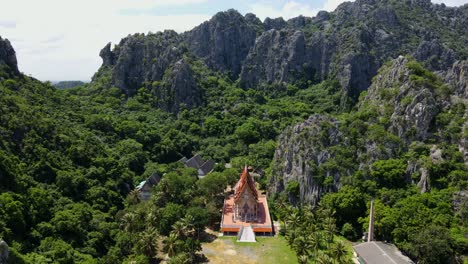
61	39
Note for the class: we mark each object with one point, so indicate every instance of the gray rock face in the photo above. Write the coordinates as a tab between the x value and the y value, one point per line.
224	41
457	76
274	23
275	57
179	87
299	22
356	71
349	44
302	156
335	46
4	252
8	57
436	56
139	58
414	105
409	108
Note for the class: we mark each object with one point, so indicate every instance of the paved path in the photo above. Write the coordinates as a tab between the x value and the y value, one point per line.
247	235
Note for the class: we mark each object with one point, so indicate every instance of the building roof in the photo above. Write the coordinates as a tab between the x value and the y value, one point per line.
203	167
245	181
381	253
262	224
140	185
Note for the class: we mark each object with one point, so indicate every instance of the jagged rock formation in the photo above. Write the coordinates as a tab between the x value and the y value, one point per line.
436	56
349	44
139	58
302	155
275	23
401	107
8	61
457	77
178	87
4	252
224	41
410	104
335	46
274	57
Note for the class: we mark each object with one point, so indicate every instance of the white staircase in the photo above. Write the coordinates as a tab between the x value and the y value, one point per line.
246	234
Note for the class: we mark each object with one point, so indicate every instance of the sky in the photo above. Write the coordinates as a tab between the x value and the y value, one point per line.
60	39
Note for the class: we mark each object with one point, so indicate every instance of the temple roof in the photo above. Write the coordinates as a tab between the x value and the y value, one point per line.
245	180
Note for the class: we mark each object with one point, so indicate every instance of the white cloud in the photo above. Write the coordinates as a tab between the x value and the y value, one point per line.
287	10
61	39
451	2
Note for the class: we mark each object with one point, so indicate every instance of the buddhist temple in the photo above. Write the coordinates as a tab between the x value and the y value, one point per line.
246	209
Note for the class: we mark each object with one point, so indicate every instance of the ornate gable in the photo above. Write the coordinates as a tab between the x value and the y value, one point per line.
245	182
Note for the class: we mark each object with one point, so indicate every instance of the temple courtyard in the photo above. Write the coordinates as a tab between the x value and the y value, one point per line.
225	250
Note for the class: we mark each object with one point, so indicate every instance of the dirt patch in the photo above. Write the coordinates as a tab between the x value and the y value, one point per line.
223	251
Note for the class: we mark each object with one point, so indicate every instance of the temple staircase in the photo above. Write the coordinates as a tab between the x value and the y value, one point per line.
246	234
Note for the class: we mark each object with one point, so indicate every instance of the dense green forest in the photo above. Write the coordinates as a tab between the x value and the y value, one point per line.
362	123
71	158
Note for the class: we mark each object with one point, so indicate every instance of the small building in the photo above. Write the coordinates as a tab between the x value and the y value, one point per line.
203	167
246	210
377	252
144	188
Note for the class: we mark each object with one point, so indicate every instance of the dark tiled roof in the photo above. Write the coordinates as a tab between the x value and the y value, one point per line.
208	166
196	162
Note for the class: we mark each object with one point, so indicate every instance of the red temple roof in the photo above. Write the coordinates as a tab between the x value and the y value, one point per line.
245	180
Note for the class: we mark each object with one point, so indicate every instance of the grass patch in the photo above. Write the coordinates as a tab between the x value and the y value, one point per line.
265	250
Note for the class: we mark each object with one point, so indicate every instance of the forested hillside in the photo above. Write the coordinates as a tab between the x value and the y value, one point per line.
366	102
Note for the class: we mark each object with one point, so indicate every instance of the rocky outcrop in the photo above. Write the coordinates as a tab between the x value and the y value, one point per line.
303	156
4	252
8	61
435	55
274	23
457	77
141	58
349	44
224	41
401	105
276	57
154	61
410	105
178	87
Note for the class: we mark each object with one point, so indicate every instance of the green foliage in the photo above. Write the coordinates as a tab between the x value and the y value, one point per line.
69	160
389	173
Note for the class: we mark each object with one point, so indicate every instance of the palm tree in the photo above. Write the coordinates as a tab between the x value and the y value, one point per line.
314	241
330	229
291	236
133	197
178	229
302	246
323	258
339	251
148	242
189	226
293	220
128	222
302	259
170	245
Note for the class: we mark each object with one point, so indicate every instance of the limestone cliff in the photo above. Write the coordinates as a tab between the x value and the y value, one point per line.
399	109
8	61
224	41
349	44
303	156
